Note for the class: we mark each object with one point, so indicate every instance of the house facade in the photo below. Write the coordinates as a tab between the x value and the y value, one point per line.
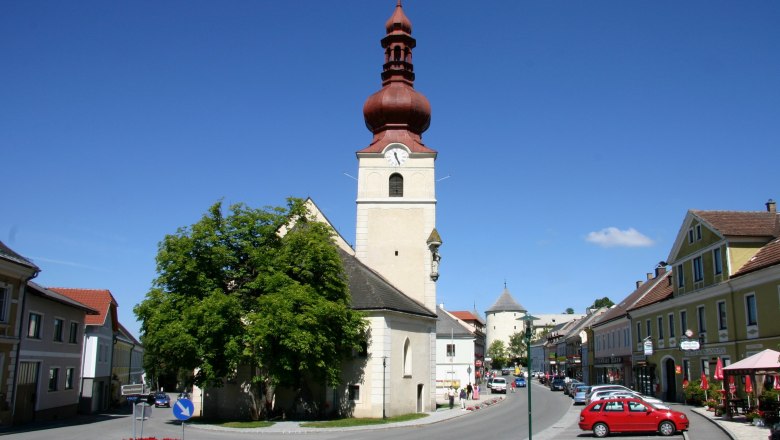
15	272
455	347
50	356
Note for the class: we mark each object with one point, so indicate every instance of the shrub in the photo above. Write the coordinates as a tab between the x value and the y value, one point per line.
694	395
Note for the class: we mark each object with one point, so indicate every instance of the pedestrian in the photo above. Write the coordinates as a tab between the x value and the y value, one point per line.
513	386
469	390
451	395
462	398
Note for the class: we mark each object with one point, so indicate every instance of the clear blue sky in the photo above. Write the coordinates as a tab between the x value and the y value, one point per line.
554	122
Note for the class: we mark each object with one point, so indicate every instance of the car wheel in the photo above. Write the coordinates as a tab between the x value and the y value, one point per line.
600	430
666	428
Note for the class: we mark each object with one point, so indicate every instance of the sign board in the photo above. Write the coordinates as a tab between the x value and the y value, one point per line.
183	409
648	346
136	388
690	344
144	411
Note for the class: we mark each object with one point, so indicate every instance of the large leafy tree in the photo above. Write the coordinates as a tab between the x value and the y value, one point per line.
517	347
498	353
231	289
602	302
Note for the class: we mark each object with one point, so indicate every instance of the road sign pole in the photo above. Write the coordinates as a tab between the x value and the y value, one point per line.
133	420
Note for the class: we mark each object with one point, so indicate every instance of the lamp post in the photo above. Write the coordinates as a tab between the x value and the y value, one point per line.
384	384
529	321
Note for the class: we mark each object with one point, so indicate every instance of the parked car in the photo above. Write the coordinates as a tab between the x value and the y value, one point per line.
630	415
658	403
608	387
557	384
505	371
581	394
162	399
499	385
520	382
569	387
490	383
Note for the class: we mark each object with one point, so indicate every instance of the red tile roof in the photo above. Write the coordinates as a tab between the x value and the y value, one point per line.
769	255
465	316
745	223
661	291
98	299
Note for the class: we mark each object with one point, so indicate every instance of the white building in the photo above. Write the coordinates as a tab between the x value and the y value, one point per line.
455	348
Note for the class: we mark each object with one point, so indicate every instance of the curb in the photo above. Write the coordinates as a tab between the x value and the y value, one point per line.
725	430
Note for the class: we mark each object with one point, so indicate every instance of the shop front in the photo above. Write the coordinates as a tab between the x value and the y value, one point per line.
610	370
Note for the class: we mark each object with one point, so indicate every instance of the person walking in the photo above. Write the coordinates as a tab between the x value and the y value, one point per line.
451	395
469	390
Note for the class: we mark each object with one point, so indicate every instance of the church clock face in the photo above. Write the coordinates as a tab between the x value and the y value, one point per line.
396	156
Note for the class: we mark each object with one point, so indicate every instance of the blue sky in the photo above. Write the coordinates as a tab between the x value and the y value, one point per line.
572	136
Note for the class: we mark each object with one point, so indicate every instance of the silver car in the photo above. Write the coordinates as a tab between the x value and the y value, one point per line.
580	395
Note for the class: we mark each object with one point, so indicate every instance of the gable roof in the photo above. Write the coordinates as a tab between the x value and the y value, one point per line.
98	299
769	255
37	289
505	303
633	298
465	315
449	326
8	254
764	224
370	291
662	290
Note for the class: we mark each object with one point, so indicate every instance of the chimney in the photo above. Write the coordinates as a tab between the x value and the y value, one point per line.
649	276
660	270
770	206
639	283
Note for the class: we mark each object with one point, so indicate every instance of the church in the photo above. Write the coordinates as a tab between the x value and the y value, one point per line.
393	267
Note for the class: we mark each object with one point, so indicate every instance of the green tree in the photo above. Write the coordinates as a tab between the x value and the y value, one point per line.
498	353
603	302
517	347
569	311
231	290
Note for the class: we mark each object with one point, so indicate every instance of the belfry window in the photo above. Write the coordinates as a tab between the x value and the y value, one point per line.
396	185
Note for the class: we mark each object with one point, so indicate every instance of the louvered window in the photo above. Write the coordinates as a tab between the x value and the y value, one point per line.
396	185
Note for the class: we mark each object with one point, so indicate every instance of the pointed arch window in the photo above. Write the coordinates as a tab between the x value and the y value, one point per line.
396	185
407	358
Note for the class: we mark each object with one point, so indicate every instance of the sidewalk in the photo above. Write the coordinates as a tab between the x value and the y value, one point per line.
737	427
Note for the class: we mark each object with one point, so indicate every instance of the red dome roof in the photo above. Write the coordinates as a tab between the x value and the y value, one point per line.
397	105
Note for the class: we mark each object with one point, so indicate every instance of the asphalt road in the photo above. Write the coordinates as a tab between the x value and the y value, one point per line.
554	417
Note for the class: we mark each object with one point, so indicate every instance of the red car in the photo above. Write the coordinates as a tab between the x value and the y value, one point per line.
630	415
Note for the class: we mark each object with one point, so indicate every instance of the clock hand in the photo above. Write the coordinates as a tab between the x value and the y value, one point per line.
395	153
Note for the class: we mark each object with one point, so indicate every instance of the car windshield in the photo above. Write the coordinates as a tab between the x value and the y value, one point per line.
160	395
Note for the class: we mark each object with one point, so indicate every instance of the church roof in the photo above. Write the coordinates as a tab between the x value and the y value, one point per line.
370	291
449	326
506	303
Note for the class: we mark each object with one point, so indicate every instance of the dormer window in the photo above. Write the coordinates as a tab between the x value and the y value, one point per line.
396	185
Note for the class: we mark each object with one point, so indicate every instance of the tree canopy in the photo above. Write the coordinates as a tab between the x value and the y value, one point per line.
231	289
603	302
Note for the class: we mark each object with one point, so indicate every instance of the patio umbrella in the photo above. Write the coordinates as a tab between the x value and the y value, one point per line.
718	370
704	384
732	386
748	388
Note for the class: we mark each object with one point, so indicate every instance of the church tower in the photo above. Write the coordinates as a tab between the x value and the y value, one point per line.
396	201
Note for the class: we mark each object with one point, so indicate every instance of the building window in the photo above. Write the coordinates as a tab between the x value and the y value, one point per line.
58	323
750	310
705	366
396	185
671	325
74	332
660	327
698	270
69	373
680	276
34	326
698	232
702	319
625	337
354	392
690	235
649	329
54	376
5	299
683	321
717	261
451	350
638	332
722	315
407	358
686	367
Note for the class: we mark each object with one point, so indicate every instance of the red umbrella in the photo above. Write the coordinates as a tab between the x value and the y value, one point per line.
685	383
777	383
704	384
718	370
732	386
748	385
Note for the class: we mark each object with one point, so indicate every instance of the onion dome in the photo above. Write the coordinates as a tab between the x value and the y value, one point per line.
397	112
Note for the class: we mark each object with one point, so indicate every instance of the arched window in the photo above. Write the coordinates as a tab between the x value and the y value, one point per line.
396	185
407	358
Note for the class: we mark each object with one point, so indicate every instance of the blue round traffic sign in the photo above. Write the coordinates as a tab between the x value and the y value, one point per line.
183	409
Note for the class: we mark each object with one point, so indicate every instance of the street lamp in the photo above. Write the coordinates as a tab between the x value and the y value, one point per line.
529	322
